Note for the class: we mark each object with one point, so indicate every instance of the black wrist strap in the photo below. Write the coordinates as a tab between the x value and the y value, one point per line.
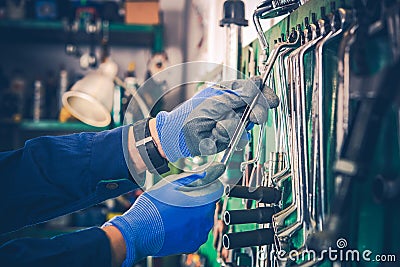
148	149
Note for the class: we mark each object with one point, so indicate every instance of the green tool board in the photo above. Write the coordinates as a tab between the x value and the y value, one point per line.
373	224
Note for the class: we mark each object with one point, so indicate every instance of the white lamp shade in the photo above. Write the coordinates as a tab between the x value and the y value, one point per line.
91	98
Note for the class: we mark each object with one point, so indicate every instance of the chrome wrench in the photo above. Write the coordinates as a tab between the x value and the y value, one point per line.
246	114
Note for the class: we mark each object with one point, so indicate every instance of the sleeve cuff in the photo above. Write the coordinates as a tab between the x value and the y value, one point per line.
137	178
107	161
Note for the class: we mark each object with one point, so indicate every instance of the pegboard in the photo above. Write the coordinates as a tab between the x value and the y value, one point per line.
371	223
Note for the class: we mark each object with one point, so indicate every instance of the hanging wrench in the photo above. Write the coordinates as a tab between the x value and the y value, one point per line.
339	24
246	114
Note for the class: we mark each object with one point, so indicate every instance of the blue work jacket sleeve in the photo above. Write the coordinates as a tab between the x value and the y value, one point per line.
55	175
89	247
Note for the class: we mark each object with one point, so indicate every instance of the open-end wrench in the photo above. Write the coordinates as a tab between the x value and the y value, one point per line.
309	183
279	218
325	30
298	147
246	114
276	161
283	146
299	150
343	95
292	207
300	140
301	120
339	23
282	111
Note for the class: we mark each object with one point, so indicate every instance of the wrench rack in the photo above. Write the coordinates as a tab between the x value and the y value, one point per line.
303	149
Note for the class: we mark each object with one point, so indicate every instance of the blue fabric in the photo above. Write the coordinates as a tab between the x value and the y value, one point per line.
53	176
142	229
89	247
169	124
155	227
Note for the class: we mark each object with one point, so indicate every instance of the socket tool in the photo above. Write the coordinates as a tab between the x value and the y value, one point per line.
262	194
258	215
258	237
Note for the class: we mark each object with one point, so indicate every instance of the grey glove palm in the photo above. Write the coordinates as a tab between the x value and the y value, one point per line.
204	124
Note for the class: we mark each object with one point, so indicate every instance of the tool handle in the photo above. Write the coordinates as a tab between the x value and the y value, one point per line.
259	215
262	194
258	237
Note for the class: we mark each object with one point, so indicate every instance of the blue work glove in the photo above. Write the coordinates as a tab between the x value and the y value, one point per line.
204	124
173	217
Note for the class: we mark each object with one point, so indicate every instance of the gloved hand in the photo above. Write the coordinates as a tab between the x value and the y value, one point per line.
173	217
204	124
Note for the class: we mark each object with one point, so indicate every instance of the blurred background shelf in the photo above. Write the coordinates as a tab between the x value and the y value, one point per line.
14	134
36	31
53	125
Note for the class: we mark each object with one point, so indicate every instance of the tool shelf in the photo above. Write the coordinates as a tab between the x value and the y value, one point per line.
120	34
53	125
14	134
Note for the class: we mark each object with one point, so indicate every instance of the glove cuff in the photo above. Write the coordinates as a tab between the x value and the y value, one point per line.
160	120
143	235
172	139
124	228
